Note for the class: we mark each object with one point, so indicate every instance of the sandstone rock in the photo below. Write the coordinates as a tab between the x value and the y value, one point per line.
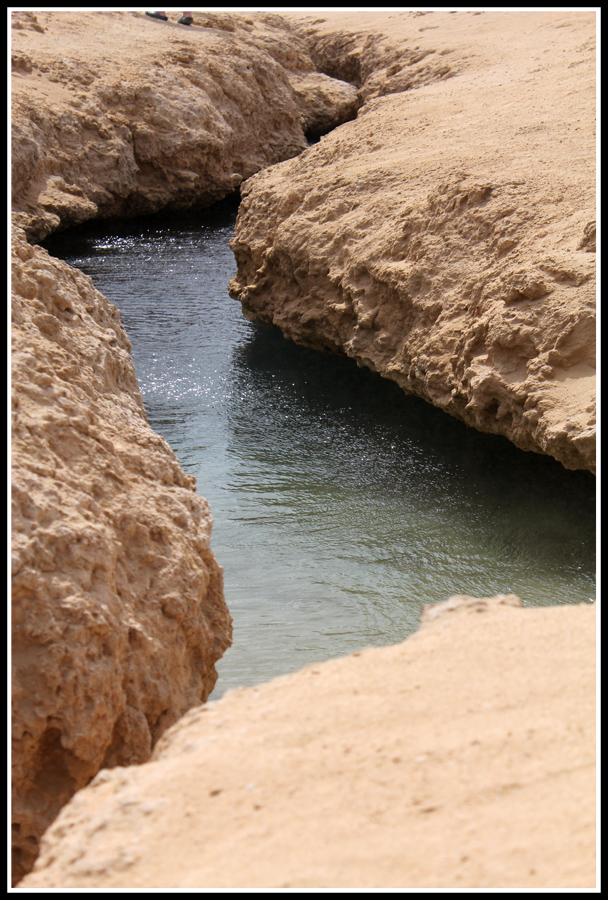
461	758
375	60
324	102
118	115
443	238
118	610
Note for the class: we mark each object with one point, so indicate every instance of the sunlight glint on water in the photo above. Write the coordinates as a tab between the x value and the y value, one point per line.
340	504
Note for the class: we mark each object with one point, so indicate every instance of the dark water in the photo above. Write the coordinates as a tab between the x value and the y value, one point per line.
340	503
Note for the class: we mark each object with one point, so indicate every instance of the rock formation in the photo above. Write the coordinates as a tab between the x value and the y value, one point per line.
461	758
118	609
118	115
445	237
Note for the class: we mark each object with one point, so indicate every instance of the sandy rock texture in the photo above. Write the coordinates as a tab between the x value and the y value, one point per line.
445	238
115	114
118	611
462	758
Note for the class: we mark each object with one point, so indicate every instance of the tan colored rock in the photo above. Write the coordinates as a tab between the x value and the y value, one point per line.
462	758
444	238
368	50
118	611
115	114
324	102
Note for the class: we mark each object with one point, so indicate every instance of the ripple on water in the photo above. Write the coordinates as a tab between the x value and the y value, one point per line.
340	503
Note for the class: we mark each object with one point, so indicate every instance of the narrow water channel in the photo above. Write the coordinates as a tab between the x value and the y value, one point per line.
340	504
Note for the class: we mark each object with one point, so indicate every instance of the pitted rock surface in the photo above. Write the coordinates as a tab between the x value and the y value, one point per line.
118	609
445	237
115	114
118	612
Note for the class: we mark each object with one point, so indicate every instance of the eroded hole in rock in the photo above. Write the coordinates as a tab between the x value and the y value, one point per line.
53	773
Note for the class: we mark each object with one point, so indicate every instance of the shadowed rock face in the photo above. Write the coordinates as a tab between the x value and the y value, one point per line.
118	608
445	238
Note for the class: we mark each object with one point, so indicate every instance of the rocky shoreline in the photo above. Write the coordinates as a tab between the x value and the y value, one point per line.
158	117
118	612
461	758
445	237
466	276
118	607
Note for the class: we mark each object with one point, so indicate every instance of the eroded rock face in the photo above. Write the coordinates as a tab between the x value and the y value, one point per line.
455	276
445	238
463	756
115	114
324	102
118	608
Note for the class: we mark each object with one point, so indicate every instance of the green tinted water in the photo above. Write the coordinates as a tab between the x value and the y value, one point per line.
340	504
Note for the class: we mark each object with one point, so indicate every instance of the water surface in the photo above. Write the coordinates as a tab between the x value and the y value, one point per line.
340	504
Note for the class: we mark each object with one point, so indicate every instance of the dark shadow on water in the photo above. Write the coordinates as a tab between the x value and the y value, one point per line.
361	431
82	240
373	406
312	437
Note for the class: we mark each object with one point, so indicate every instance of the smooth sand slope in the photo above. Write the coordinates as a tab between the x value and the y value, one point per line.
463	757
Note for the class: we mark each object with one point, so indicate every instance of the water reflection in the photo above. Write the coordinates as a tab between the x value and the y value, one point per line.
340	503
330	434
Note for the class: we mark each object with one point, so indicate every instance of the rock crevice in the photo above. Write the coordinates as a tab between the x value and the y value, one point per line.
176	125
444	237
118	607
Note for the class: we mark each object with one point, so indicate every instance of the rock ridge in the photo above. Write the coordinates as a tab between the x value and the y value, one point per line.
458	263
175	126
